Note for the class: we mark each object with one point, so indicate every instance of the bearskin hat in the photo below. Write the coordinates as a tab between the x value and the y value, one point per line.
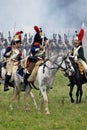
36	29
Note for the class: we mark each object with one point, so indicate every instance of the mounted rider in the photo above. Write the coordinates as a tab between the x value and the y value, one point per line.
77	53
37	48
37	57
14	56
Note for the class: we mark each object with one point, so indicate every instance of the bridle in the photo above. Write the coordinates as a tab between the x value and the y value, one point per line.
56	68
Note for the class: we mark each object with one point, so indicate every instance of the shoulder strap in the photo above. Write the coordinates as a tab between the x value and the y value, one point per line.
75	52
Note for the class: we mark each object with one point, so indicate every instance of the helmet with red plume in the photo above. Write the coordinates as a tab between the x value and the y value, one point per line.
80	35
19	32
36	29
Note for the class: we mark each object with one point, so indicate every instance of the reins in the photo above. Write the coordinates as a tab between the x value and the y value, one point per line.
58	65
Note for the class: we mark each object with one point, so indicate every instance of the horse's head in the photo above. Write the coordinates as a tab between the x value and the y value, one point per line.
66	65
52	48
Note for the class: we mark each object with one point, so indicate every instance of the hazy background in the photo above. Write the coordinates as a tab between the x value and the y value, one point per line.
54	16
51	15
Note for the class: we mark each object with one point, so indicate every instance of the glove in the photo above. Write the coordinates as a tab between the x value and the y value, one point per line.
71	57
9	53
75	58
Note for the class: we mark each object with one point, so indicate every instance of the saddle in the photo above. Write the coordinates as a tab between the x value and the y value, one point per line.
79	65
32	65
33	75
81	68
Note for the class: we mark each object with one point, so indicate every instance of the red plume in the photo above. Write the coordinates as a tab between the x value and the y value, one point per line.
19	32
36	29
81	34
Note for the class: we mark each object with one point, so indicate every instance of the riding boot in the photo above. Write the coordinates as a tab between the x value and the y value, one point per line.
7	78
26	75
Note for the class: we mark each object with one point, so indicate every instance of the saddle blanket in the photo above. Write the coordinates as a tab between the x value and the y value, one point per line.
20	73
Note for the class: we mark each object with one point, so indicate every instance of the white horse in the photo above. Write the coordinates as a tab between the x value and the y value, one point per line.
45	77
18	81
16	94
44	80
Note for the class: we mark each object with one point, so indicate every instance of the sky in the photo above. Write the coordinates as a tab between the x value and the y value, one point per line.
51	15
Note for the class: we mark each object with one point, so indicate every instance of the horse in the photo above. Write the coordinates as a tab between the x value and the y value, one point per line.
76	77
18	82
44	78
43	81
16	94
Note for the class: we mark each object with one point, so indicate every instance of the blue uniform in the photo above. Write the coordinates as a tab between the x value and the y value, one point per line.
8	52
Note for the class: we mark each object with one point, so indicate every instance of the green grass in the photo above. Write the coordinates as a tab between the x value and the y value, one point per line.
64	116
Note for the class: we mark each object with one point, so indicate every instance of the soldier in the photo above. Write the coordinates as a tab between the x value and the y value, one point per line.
78	53
37	43
14	57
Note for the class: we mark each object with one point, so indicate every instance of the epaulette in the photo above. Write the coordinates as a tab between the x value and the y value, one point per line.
9	46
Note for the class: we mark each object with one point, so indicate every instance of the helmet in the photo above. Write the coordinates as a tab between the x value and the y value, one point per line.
76	39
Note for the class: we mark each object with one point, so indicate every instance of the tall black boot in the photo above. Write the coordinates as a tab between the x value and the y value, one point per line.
26	75
7	78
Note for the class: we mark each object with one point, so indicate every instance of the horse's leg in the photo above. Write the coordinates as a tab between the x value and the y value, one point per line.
70	93
81	93
27	92
45	98
41	103
16	96
77	94
34	101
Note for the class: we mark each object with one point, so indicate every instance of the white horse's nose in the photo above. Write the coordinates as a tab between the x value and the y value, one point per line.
72	69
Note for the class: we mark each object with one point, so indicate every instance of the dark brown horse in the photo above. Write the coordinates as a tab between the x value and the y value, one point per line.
75	78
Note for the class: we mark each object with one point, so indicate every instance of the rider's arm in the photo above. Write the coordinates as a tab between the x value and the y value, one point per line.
8	52
81	54
15	54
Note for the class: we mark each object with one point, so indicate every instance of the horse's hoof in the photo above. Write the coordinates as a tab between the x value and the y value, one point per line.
11	107
77	102
39	111
47	113
6	89
27	109
72	100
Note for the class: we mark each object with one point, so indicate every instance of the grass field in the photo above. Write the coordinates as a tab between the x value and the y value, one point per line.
64	115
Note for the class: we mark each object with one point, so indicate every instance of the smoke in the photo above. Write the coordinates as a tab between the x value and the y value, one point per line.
51	15
66	13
